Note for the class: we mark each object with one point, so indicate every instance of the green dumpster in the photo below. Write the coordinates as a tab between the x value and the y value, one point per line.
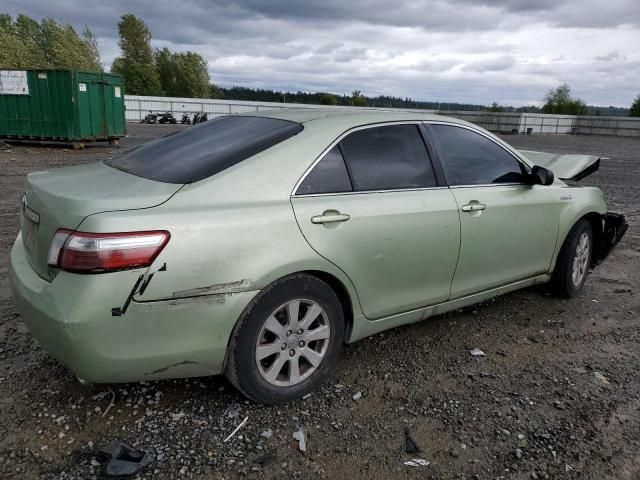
71	106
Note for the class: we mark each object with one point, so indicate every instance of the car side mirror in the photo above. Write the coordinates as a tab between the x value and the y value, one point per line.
541	176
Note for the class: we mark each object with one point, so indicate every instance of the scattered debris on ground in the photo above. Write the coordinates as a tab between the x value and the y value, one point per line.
417	462
242	423
120	460
476	352
601	377
301	436
410	446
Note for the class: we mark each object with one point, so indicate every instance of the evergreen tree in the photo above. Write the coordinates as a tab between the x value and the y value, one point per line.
13	52
357	99
191	75
136	64
92	45
634	111
328	99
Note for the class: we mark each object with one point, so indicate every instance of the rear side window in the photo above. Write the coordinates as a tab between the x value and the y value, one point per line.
387	158
328	176
472	159
206	149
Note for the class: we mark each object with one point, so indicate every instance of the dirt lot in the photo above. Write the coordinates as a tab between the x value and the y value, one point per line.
557	396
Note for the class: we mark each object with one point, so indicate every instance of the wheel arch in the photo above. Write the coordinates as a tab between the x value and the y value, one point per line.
338	286
595	221
342	292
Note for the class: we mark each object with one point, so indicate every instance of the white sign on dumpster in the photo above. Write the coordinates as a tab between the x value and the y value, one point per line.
13	82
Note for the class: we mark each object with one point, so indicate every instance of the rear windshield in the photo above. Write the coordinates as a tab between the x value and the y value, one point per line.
204	150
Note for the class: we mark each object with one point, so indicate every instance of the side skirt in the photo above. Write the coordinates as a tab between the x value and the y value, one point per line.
362	327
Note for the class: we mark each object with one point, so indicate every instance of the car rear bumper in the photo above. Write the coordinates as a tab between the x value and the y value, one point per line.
71	318
613	229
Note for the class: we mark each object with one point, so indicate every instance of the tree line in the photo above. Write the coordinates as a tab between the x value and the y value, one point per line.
325	98
26	43
158	72
554	102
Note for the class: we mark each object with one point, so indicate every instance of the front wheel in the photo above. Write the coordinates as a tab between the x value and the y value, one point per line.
573	261
286	342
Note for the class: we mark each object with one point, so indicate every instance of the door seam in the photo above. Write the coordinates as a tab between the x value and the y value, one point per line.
455	270
295	216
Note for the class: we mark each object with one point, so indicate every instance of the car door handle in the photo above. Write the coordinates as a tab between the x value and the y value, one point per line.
330	217
473	207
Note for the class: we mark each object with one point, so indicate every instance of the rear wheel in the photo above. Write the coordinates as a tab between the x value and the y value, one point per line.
287	340
573	261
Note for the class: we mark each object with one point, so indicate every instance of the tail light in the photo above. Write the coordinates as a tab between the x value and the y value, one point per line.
84	252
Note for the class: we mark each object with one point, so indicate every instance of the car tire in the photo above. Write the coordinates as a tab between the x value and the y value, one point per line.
573	263
280	362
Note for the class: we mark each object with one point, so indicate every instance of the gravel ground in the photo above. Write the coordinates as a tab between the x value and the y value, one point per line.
557	395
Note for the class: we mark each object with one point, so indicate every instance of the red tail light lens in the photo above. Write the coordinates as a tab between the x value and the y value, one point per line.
103	252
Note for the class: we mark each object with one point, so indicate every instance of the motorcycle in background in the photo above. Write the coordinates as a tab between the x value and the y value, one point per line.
167	117
150	118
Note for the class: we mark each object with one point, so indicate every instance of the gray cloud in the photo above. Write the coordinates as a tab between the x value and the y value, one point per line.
491	65
609	57
510	51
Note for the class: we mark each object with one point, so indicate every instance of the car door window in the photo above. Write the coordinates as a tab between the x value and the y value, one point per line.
328	176
387	158
472	159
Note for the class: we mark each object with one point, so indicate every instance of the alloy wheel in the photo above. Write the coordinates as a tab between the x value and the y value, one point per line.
581	259
292	342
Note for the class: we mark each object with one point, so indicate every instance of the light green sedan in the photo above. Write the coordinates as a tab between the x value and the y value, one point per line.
257	245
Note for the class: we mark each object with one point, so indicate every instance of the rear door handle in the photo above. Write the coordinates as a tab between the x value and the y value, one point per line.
330	217
473	207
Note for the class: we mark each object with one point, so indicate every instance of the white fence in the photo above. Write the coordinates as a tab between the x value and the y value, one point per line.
502	122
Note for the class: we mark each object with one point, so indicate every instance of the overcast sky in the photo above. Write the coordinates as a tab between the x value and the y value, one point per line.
475	51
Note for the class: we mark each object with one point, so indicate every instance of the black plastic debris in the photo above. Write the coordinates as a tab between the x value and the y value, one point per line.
120	460
410	446
267	459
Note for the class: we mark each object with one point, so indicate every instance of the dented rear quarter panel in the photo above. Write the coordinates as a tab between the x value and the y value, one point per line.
71	317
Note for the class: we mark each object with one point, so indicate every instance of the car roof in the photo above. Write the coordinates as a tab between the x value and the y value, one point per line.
349	116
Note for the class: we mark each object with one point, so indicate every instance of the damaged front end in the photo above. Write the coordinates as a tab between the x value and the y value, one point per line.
614	226
565	166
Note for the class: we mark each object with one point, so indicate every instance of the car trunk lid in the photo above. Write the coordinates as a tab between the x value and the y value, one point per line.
565	166
62	198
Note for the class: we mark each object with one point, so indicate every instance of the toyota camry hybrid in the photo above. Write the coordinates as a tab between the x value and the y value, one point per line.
258	245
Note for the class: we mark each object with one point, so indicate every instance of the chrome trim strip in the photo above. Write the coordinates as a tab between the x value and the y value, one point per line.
367	192
491	185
